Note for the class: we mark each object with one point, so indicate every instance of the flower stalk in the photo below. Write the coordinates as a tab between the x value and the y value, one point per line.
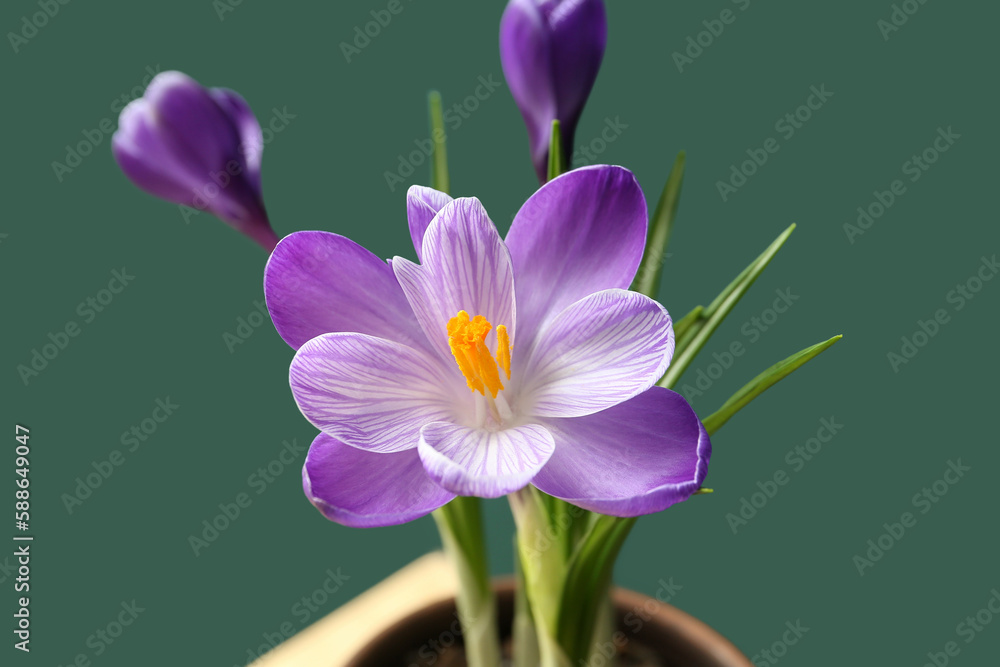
542	557
461	526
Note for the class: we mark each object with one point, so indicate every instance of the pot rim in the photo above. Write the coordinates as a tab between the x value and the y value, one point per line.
671	622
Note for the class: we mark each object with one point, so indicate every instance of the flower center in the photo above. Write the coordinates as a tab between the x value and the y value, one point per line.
467	340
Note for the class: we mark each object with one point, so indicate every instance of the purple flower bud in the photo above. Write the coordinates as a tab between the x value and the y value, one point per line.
551	51
200	147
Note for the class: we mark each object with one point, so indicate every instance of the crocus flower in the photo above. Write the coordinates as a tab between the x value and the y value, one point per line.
430	380
551	51
199	147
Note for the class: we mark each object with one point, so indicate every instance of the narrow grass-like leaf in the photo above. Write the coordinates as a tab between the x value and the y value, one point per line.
685	330
647	280
439	158
762	383
588	578
718	309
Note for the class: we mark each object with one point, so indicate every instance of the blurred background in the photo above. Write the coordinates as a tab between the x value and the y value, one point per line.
887	81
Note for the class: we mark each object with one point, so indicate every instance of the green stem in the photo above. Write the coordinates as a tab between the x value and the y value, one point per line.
543	567
557	164
460	523
439	159
525	638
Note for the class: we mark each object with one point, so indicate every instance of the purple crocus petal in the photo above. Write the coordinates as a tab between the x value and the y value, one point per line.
600	351
466	266
551	51
318	282
372	393
203	132
365	489
579	30
251	135
582	232
525	55
483	462
196	147
636	458
137	139
422	204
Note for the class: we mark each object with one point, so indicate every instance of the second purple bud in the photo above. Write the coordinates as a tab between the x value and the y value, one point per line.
551	51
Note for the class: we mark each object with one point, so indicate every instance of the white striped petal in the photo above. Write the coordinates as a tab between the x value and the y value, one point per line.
465	266
372	393
481	462
600	351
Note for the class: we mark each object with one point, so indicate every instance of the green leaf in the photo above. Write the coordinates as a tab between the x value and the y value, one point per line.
762	383
556	166
685	329
717	311
647	280
439	158
588	580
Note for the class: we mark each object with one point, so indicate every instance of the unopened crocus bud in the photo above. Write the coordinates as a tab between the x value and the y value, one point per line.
198	147
551	51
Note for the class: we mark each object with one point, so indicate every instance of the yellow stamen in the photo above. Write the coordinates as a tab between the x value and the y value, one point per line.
467	340
503	350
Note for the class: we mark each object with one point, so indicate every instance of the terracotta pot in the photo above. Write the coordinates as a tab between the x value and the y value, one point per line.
650	628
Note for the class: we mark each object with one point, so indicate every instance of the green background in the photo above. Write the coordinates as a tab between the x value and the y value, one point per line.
162	336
